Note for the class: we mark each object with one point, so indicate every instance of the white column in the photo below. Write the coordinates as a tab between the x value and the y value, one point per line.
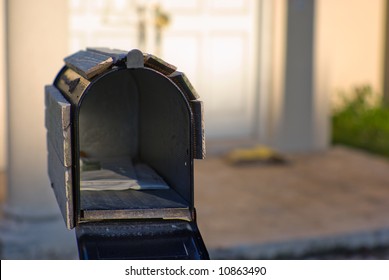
37	33
299	114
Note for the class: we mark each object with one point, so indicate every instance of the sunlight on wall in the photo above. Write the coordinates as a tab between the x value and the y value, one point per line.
352	34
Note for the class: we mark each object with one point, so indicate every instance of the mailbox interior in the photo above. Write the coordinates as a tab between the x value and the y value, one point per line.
129	121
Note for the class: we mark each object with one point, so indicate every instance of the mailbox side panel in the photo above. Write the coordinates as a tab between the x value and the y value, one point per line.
57	121
165	131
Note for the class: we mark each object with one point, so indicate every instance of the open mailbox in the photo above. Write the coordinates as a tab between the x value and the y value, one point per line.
123	129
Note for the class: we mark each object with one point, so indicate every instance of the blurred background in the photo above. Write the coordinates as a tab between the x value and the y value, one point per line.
298	77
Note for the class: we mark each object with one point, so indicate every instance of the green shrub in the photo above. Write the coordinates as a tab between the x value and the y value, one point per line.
361	124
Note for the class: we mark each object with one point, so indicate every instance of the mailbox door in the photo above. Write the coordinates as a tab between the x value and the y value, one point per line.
140	240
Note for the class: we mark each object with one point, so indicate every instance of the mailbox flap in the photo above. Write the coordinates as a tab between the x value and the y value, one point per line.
140	240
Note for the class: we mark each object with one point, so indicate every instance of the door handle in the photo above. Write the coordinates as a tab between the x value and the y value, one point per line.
161	21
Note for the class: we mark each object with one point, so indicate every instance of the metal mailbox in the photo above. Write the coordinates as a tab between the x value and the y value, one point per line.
123	129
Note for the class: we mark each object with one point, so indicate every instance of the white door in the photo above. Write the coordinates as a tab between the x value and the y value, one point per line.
213	41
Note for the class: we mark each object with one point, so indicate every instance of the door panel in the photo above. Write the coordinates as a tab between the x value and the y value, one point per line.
226	65
188	46
219	51
214	42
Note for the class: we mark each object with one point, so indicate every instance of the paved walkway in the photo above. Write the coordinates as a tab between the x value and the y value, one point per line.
338	198
322	201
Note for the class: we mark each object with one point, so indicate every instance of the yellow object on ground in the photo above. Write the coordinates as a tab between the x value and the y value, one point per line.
256	154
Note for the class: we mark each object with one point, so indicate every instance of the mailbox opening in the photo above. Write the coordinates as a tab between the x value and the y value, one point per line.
123	129
134	148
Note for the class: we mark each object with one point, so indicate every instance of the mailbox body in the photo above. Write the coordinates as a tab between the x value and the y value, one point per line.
123	130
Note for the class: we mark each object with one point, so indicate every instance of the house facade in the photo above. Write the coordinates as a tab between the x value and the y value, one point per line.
266	70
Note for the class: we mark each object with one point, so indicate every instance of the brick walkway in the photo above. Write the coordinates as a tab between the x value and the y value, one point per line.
338	198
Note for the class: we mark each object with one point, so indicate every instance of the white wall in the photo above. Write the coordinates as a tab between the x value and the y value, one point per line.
38	42
2	88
